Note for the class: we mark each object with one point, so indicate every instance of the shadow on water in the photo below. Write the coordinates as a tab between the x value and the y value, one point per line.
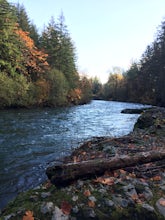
31	139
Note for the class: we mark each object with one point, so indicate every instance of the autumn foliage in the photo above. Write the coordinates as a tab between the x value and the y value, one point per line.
35	60
43	64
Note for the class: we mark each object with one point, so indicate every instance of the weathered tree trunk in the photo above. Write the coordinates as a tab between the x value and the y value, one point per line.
61	175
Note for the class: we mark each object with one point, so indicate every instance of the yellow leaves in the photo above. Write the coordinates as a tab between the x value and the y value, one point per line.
28	215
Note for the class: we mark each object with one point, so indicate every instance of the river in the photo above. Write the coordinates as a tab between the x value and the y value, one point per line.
30	140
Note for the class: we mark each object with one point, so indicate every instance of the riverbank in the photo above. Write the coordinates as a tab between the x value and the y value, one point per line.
136	192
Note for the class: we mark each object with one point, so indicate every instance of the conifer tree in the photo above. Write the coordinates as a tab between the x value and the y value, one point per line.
10	54
58	45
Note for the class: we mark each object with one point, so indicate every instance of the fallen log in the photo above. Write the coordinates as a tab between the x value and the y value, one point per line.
63	174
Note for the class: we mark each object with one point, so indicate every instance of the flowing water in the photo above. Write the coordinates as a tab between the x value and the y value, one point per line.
30	140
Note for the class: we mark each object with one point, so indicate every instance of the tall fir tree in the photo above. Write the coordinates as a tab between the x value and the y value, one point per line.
10	54
58	45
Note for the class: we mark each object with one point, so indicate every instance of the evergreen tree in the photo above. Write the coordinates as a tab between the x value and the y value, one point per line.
58	45
25	24
10	54
96	88
22	17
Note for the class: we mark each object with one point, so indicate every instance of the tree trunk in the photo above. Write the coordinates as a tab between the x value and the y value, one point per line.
61	175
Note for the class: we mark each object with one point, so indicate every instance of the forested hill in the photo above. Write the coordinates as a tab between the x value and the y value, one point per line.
37	69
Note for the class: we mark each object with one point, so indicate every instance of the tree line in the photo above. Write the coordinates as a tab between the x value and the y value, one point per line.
37	69
40	69
143	82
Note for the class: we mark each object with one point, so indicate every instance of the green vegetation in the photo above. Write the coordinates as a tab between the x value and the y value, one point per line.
40	69
144	82
37	70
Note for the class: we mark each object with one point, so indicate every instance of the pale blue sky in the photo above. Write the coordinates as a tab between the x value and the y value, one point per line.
106	33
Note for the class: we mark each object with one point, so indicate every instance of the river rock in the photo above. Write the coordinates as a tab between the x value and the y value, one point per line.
89	213
45	194
102	191
92	198
33	198
59	215
160	204
145	121
80	183
47	207
130	190
75	209
9	216
109	202
147	193
162	188
74	198
119	201
148	207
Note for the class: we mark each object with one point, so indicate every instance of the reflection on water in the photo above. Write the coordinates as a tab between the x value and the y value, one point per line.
31	139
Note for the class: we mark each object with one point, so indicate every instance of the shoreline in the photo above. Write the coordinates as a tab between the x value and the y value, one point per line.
115	195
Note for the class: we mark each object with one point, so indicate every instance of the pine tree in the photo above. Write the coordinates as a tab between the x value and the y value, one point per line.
58	45
10	54
22	17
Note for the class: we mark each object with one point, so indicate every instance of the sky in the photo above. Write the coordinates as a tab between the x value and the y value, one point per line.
106	33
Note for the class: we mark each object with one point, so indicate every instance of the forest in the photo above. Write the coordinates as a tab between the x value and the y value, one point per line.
37	69
40	69
143	82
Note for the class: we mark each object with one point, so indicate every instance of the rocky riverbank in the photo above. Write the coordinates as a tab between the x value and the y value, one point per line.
136	192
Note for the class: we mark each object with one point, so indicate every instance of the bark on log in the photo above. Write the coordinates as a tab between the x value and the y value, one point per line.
61	175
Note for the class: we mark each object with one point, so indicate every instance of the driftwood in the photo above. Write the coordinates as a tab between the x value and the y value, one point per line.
64	174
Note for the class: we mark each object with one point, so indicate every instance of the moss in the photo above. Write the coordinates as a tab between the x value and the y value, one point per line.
136	213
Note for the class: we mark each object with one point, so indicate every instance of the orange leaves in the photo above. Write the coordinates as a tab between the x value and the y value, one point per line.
91	204
28	215
66	207
87	193
162	202
24	36
74	95
34	59
156	178
105	180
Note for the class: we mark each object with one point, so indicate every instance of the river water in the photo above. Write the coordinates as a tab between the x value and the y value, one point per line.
30	140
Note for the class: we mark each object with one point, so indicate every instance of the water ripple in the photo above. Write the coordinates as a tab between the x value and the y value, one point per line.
32	139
